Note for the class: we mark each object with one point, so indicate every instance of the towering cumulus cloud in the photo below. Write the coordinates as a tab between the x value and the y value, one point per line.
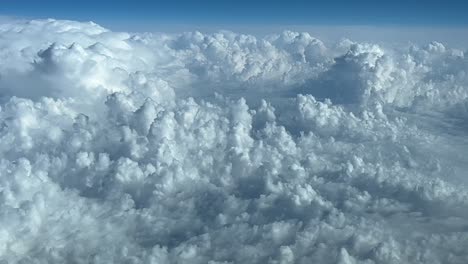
228	148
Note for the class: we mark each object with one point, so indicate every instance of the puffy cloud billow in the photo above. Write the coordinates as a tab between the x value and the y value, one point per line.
229	148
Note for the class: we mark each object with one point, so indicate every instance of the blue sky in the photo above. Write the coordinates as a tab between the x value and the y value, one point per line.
137	14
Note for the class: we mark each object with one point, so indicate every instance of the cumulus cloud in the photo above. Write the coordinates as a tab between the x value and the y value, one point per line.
228	148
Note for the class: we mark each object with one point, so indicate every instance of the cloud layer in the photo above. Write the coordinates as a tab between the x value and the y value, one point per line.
227	148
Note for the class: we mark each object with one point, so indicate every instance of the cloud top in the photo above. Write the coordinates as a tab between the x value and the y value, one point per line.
228	148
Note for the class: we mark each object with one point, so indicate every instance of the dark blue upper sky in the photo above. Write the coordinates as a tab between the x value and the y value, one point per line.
128	14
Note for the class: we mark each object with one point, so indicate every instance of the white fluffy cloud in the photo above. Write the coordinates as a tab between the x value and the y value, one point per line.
227	148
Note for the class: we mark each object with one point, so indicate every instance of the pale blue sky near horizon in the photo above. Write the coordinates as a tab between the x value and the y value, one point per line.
242	12
384	20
